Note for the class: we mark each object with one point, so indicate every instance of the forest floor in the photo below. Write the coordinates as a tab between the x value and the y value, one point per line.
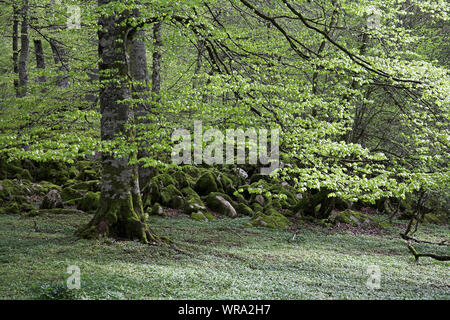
222	259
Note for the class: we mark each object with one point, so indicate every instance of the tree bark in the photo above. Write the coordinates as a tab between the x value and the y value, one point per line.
15	47
24	52
40	59
120	214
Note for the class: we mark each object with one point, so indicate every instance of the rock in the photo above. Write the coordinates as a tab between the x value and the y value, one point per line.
202	216
206	184
52	200
90	202
242	173
157	210
244	210
69	193
172	198
260	199
271	219
220	204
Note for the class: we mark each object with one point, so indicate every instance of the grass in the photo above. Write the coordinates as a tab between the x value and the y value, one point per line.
223	259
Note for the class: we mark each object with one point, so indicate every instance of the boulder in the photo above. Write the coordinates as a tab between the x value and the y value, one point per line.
219	203
52	200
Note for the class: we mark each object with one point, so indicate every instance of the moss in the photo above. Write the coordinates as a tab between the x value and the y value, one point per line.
88	174
158	210
192	171
69	193
43	187
271	219
164	180
209	216
90	202
257	207
226	184
353	218
12	208
198	216
92	185
182	179
172	197
244	210
206	184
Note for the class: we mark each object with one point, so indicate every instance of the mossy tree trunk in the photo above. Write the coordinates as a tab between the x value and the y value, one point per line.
120	214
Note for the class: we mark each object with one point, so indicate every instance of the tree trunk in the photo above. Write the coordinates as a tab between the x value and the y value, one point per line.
40	59
120	214
15	46
24	52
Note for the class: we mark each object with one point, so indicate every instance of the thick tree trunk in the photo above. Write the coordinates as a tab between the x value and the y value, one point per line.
24	52
120	214
40	58
15	47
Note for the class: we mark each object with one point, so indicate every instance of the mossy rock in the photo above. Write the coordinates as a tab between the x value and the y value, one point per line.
69	193
257	207
227	184
244	210
198	216
164	180
183	180
88	174
43	187
157	210
52	200
353	218
206	184
90	202
221	203
12	208
192	171
92	185
202	216
270	219
171	197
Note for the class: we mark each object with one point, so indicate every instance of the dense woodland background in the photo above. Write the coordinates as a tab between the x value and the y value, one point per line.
358	89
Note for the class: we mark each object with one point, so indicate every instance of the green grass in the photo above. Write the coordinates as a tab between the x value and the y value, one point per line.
223	259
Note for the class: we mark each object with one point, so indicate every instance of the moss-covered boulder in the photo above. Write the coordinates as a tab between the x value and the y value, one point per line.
69	193
221	203
89	203
52	200
171	197
244	210
206	184
91	185
354	218
157	210
271	219
43	187
202	216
